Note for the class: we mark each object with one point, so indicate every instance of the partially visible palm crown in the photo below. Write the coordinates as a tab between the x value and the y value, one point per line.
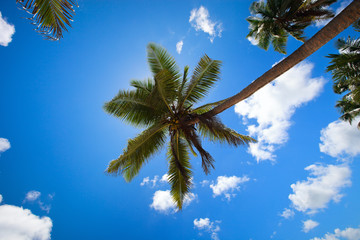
51	17
345	68
164	105
274	20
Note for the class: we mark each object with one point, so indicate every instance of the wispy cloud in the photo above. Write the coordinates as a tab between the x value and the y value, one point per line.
339	138
287	213
227	186
309	224
323	186
200	20
348	234
147	181
4	144
273	106
204	224
32	196
253	41
163	202
179	46
6	32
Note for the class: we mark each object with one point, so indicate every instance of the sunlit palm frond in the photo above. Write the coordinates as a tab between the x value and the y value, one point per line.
207	107
138	151
134	107
159	59
51	17
206	73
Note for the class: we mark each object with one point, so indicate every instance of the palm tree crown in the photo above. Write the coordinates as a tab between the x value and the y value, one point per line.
345	68
164	104
274	20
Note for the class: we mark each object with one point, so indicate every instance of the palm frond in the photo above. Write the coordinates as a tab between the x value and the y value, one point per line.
167	84
179	169
216	131
206	73
138	151
135	107
51	17
207	107
159	59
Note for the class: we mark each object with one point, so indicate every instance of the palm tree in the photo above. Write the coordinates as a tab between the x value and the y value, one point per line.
51	17
343	20
275	20
163	104
345	68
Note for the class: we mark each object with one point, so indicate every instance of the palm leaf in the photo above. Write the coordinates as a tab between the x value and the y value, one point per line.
205	75
215	130
51	17
179	169
138	151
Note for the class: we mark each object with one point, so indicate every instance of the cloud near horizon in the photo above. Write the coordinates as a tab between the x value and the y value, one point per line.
273	106
7	30
346	234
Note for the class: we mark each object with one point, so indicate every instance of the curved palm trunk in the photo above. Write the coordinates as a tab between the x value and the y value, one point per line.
349	15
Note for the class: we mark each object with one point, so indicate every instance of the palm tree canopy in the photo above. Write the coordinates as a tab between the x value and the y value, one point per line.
51	17
274	20
345	68
163	105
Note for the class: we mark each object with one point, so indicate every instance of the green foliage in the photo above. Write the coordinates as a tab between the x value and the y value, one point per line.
345	68
163	104
51	17
274	20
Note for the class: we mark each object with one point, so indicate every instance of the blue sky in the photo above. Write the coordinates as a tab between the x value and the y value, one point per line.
300	181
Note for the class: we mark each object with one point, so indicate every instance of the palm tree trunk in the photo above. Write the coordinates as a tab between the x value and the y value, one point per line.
343	20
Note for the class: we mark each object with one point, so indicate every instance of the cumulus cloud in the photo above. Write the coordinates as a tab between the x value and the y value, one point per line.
227	186
309	224
6	32
154	181
273	106
20	224
32	196
287	213
348	234
343	5
339	138
165	178
323	186
4	144
204	224
179	46
200	20
163	202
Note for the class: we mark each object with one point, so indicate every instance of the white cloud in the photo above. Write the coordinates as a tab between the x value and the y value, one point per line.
6	32
309	224
273	106
20	224
348	234
32	196
163	202
148	181
205	224
165	178
340	138
253	41
1	198
343	5
179	46
227	185
200	20
323	186
4	144
287	213
204	183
